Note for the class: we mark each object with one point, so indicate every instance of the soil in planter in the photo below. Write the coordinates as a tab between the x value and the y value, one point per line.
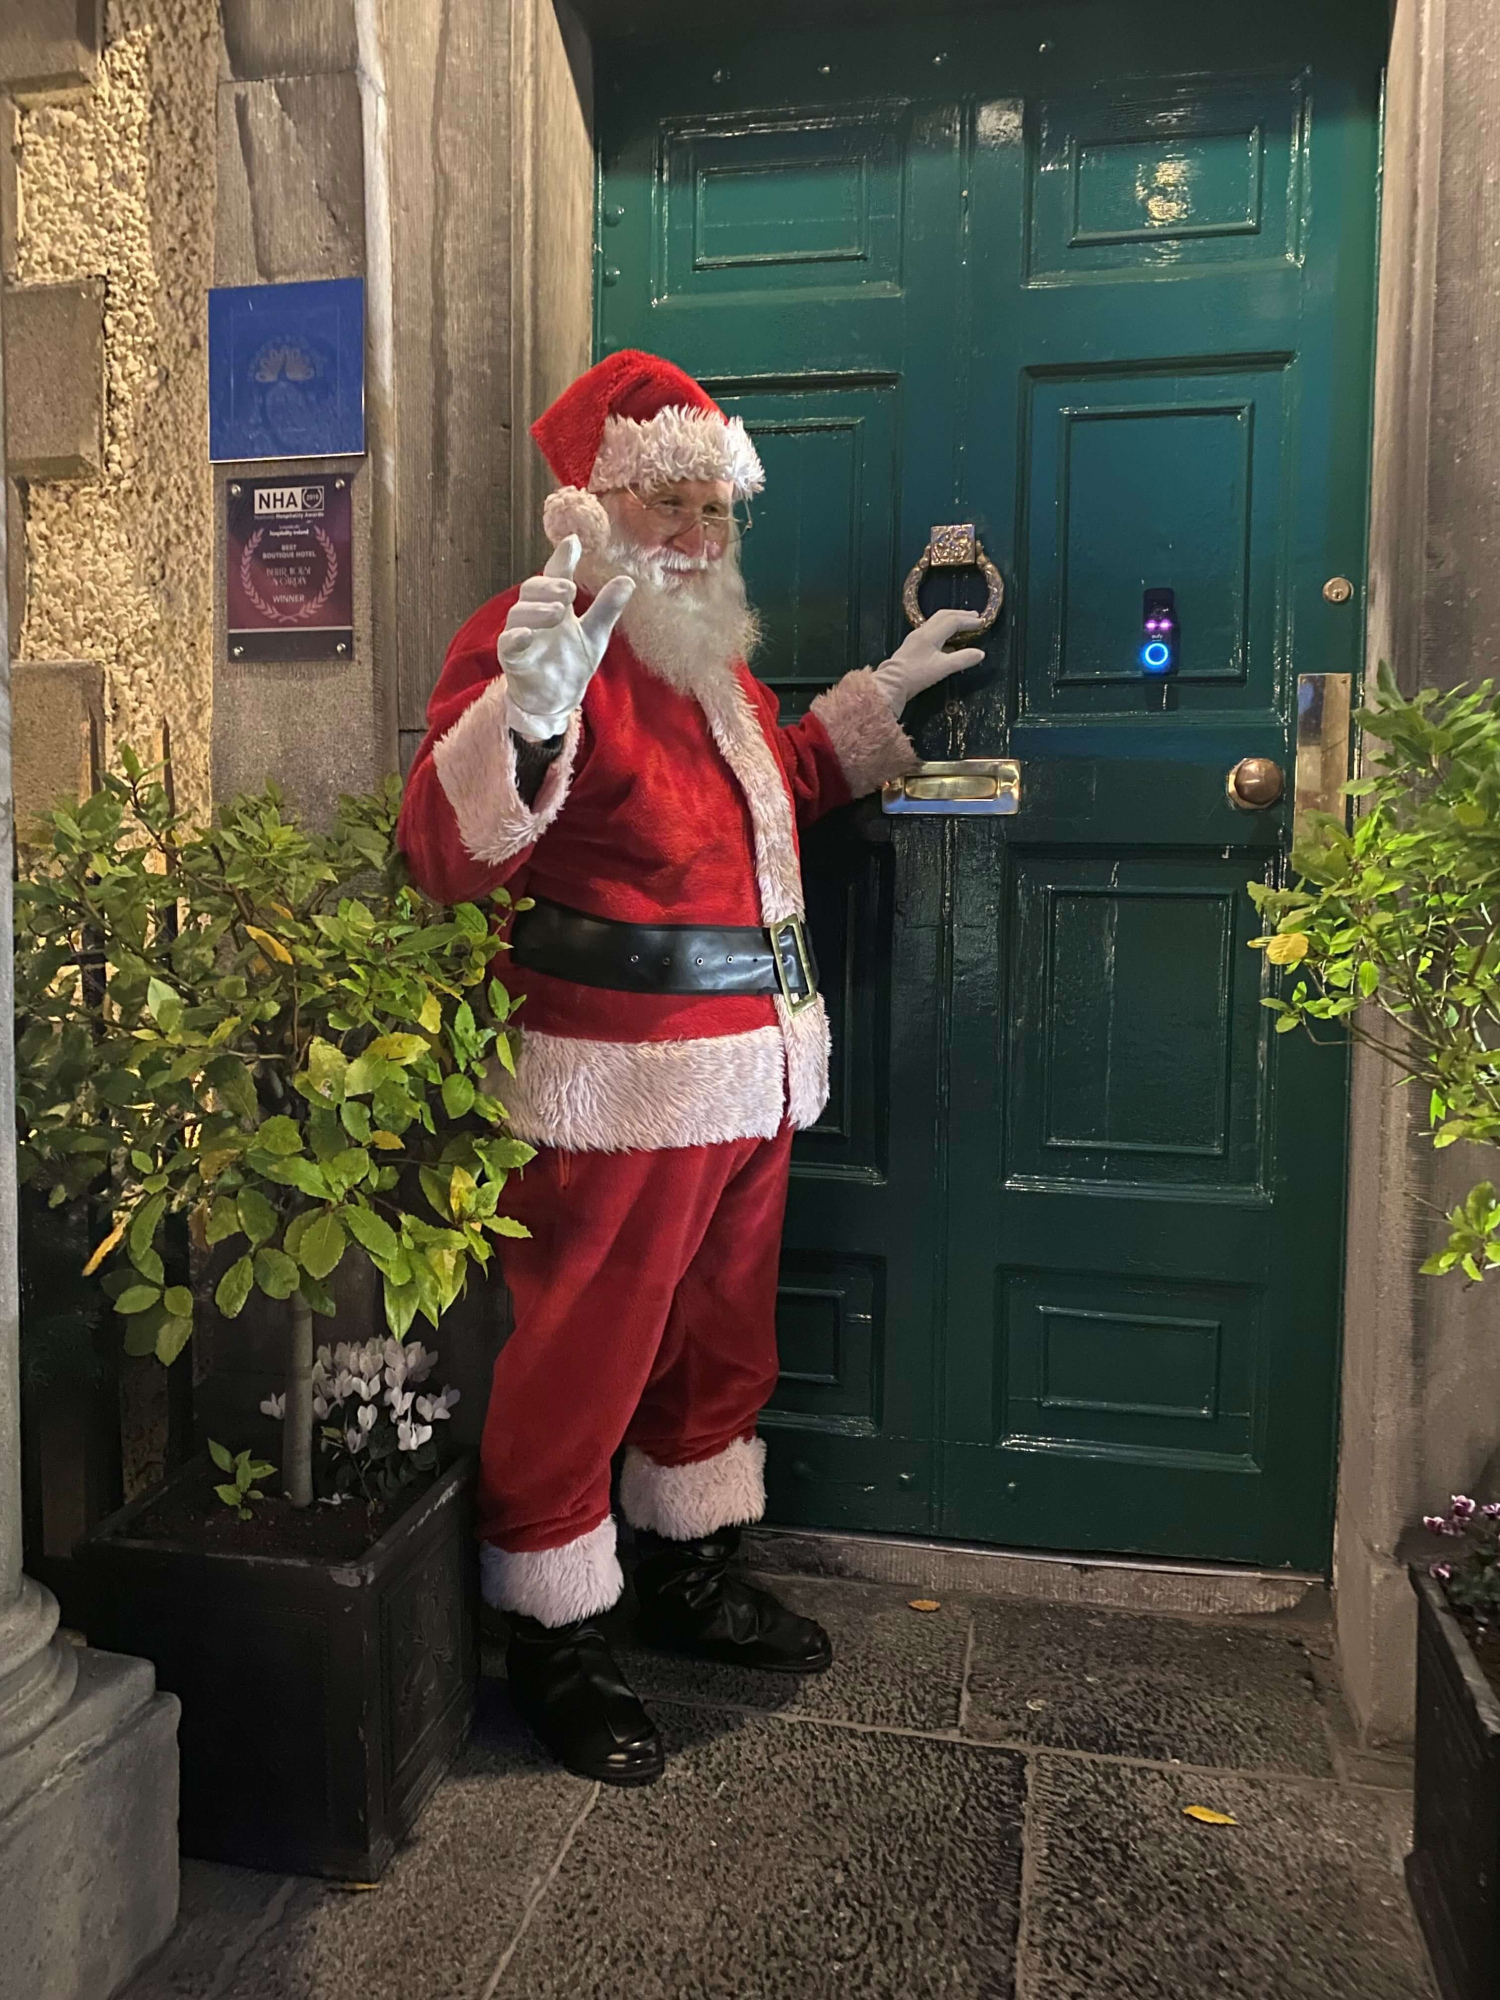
191	1511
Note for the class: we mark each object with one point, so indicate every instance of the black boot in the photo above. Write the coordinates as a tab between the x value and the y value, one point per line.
566	1685
690	1603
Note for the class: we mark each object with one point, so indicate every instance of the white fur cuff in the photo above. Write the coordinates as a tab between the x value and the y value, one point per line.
476	766
872	746
683	1502
554	1586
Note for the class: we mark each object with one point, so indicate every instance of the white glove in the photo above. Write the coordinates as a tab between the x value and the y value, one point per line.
549	654
920	660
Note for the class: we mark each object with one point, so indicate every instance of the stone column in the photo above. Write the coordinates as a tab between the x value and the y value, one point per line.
88	1753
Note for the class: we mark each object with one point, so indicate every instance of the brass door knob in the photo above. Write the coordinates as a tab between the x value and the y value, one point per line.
1254	784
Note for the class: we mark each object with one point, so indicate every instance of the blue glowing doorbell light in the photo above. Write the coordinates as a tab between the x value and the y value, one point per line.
1159	633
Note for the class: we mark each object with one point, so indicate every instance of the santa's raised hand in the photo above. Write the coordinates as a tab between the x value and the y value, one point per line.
548	652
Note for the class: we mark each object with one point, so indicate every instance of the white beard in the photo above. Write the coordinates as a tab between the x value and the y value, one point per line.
689	619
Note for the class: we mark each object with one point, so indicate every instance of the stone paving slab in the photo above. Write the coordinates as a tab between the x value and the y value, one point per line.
1237	1695
779	1858
1127	1898
435	1927
891	1665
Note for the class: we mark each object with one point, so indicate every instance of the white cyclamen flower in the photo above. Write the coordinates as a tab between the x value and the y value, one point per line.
274	1406
354	1437
420	1361
399	1400
367	1417
320	1407
409	1435
434	1409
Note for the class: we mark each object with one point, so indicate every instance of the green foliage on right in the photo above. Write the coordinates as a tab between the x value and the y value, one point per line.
1394	928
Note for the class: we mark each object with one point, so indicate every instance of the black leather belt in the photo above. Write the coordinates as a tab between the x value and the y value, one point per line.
666	958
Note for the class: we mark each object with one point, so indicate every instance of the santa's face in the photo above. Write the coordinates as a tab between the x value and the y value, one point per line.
690	520
679	544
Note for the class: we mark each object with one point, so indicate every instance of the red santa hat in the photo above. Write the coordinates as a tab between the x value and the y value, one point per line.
636	420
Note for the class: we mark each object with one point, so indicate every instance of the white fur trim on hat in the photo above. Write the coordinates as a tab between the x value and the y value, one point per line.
676	443
872	746
554	1586
683	1502
476	766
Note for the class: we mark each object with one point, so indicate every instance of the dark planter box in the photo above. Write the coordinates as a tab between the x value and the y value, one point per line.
1453	1870
321	1701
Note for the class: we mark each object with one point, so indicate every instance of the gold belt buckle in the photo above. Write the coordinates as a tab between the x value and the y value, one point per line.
799	941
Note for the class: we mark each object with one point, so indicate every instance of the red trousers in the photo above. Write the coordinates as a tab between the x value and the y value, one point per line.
645	1314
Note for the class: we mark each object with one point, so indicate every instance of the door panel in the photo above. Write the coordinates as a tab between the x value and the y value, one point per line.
1062	1256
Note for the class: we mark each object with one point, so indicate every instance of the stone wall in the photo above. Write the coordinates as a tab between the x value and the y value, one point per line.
108	249
1422	1363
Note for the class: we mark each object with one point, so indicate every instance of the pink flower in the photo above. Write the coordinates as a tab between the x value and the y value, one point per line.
1462	1508
1442	1571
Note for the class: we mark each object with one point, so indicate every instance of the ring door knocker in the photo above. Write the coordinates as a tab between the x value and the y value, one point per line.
979	785
955	547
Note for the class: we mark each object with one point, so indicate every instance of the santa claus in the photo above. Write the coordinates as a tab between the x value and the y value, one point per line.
597	742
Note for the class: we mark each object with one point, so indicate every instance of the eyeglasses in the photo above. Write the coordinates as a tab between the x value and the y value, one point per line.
673	518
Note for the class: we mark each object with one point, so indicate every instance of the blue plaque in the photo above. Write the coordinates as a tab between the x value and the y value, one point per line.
286	370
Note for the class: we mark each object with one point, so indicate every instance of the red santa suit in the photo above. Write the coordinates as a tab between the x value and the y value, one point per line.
645	1294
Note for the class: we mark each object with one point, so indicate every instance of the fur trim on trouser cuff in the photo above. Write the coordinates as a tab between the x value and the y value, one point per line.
683	1502
476	766
872	746
554	1586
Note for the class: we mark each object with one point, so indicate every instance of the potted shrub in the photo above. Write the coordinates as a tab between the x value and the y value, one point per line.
267	1031
1394	931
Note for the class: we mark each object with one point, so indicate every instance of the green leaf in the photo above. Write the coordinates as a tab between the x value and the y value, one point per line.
279	1135
221	1457
258	1218
230	1495
164	1006
507	1225
327	1068
399	1049
401	1303
143	1225
505	1054
356	1119
150	1266
365	1074
141	1332
318	1296
371	1231
321	1246
138	1298
300	1174
172	1336
178	1301
458	1094
275	1273
1369	978
234	1085
430	1014
223	1220
234	1288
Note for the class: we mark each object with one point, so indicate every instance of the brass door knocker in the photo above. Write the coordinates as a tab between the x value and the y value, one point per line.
956	547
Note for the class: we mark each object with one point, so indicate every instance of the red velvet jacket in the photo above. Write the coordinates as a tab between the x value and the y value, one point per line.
663	807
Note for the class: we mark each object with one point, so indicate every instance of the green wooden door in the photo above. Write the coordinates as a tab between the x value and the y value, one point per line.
1062	1259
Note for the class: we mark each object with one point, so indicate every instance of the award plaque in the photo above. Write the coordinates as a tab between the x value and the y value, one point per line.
289	547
